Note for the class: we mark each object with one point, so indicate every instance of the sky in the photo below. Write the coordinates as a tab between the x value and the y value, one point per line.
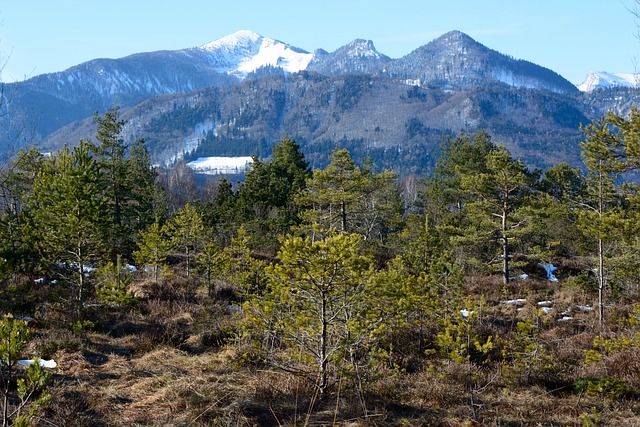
571	37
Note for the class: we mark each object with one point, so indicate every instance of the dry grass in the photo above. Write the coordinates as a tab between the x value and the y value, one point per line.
168	363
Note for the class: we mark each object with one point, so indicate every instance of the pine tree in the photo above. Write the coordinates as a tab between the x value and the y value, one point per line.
153	249
128	182
265	201
494	198
186	232
350	199
602	216
112	282
316	297
111	152
31	390
69	213
236	266
17	252
333	193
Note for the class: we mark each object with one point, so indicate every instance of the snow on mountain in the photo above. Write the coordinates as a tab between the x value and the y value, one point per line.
359	56
242	52
602	79
363	48
456	61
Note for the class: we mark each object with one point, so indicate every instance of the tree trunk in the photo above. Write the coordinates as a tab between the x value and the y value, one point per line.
5	402
601	284
322	366
188	256
505	248
601	279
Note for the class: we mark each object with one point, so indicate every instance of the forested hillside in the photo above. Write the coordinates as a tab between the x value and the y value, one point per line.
485	293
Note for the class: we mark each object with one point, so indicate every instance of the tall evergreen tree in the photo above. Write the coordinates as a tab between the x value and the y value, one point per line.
128	182
16	186
69	212
351	199
475	199
602	216
111	151
265	201
497	196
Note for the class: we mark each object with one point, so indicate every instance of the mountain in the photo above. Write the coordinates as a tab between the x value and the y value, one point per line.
395	124
245	51
601	80
358	57
239	94
51	101
456	61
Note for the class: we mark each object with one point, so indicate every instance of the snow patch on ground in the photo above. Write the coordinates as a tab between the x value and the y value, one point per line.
550	268
192	141
515	301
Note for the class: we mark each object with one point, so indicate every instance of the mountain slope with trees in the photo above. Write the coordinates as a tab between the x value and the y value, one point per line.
398	126
352	97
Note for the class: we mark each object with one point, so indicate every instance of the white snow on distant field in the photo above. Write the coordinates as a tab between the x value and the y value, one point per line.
220	165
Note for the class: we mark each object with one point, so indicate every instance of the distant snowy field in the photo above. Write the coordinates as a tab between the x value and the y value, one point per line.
220	165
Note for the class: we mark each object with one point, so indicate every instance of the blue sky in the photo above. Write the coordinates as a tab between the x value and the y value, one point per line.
571	37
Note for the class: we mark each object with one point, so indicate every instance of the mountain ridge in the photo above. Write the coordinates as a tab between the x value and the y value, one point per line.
450	84
602	80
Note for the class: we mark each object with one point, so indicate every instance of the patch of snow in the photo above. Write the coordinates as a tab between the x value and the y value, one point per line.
544	303
547	310
191	142
515	301
23	317
221	165
523	276
42	362
565	319
550	268
466	313
234	309
583	308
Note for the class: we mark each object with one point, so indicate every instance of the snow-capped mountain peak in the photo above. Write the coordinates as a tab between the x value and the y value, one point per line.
602	79
239	39
242	52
